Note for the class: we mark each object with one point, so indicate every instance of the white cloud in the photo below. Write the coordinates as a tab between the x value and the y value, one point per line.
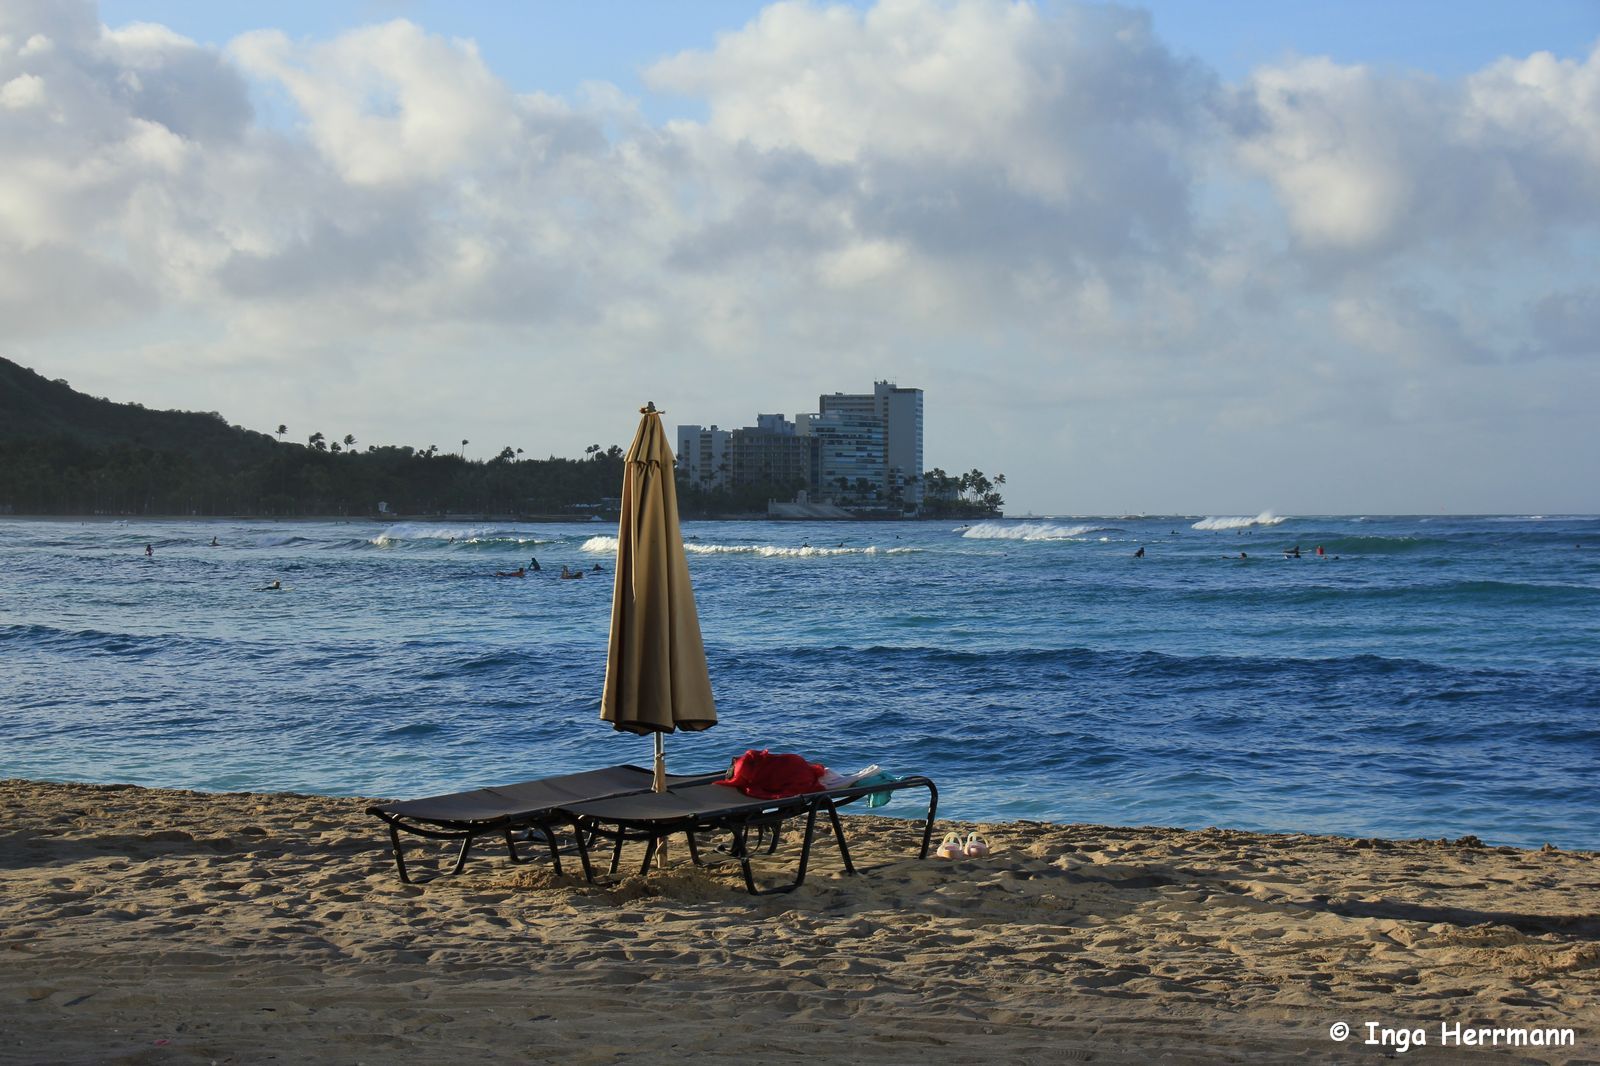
1379	163
23	91
390	104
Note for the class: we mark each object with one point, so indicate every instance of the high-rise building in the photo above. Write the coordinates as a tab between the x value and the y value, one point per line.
703	457
847	457
858	450
770	453
901	410
899	413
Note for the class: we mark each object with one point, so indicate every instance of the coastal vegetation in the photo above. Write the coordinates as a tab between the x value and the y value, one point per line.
66	453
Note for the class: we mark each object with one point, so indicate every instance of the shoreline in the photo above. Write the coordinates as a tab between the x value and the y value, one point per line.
162	925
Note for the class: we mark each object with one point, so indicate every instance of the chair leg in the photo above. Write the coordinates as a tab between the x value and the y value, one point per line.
400	857
461	859
548	832
838	835
399	854
927	825
800	873
584	841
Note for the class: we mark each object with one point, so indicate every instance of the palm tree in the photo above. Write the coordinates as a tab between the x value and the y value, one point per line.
317	441
350	441
464	444
282	429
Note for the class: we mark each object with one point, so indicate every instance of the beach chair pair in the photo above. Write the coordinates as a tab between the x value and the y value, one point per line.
616	805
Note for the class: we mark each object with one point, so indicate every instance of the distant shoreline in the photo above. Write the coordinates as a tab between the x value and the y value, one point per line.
474	517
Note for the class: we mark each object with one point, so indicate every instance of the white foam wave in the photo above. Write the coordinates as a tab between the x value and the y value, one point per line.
1265	518
1031	531
608	546
434	531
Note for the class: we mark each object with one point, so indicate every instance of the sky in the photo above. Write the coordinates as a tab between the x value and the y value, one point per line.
1183	258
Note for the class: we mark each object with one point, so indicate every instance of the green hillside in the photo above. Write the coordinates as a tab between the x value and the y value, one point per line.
33	407
65	453
62	452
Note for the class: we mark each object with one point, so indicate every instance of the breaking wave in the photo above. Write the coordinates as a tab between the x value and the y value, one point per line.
1265	518
1032	531
608	546
425	532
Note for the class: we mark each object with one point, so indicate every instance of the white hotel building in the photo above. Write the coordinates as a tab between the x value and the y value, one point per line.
865	449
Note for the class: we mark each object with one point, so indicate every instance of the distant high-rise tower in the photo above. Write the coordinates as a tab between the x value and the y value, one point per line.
703	456
896	440
860	450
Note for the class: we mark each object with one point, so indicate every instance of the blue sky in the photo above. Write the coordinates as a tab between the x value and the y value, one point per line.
1205	258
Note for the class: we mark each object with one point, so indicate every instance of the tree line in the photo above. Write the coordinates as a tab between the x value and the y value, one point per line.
63	476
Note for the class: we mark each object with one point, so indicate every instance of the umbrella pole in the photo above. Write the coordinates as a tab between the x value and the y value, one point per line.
660	785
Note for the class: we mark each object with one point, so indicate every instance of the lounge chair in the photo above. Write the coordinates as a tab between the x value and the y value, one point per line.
507	810
703	806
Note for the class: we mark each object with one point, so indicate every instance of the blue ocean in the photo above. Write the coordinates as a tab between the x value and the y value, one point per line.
1414	677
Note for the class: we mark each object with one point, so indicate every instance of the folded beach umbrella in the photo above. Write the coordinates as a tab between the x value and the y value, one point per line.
656	676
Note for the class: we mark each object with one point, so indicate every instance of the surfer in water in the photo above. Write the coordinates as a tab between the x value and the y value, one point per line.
276	586
1140	553
518	572
214	542
149	552
533	564
1292	553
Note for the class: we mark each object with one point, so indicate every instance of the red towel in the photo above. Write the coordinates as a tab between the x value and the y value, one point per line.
763	775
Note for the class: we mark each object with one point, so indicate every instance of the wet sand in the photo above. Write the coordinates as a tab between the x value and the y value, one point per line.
152	926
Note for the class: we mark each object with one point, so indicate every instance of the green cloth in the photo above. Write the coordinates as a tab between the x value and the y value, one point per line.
882	777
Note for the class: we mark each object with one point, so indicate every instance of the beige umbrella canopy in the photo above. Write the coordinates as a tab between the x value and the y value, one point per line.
656	677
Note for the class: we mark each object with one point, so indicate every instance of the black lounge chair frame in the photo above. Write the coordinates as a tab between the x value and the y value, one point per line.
527	809
650	818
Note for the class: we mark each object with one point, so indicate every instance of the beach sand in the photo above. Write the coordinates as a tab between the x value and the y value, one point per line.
152	926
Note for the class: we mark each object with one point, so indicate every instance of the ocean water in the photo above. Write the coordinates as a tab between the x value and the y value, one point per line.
1424	677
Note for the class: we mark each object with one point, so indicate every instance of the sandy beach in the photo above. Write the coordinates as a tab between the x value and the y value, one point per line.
150	926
